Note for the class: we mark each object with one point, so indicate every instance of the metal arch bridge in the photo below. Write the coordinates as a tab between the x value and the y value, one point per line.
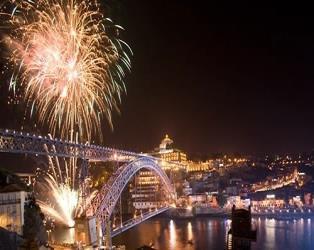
103	204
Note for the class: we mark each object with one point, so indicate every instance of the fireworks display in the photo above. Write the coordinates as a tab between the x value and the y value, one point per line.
69	63
61	203
58	196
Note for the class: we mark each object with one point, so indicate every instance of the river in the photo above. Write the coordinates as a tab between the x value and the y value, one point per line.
202	233
211	233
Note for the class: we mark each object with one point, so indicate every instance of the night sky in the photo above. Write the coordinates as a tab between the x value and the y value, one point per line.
227	77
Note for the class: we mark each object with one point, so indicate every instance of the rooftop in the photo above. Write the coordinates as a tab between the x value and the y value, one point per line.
12	188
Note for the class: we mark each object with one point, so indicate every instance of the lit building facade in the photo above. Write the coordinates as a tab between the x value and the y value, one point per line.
145	191
237	201
199	166
271	202
167	152
12	200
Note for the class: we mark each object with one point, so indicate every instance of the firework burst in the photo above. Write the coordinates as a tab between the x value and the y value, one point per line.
62	202
58	187
58	196
69	62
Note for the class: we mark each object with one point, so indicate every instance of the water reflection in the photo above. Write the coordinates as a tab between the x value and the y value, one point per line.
190	231
270	233
173	235
209	233
180	234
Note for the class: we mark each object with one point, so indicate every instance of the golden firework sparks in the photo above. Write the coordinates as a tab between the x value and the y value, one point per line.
58	190
69	62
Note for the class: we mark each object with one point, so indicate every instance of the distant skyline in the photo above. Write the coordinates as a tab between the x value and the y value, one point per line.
216	77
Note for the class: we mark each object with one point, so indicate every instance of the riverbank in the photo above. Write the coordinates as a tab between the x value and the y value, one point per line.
185	213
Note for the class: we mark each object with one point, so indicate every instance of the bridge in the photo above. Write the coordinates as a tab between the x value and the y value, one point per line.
25	143
101	207
126	225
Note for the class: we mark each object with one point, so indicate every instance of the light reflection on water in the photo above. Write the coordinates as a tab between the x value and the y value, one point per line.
173	234
187	234
190	231
211	233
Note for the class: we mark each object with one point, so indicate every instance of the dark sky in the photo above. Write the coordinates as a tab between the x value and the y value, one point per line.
215	76
233	76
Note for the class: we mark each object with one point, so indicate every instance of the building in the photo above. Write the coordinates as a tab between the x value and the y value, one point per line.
27	178
186	190
237	201
145	191
308	201
167	152
296	201
12	199
197	198
199	166
271	202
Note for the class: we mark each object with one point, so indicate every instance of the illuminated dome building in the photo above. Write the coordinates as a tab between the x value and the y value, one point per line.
165	143
167	152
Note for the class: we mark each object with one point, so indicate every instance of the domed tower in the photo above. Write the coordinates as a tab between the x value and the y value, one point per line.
165	143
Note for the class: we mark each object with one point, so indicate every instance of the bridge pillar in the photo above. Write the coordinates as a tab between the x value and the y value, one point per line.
104	233
108	240
84	189
99	231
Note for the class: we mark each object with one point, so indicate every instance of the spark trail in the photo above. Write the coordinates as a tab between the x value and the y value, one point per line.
69	61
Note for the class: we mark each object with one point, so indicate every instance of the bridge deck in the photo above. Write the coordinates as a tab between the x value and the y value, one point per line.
135	221
24	143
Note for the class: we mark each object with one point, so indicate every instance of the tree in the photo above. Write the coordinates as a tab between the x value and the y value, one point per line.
34	231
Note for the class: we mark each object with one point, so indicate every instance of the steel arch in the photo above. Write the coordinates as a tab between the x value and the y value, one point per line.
104	202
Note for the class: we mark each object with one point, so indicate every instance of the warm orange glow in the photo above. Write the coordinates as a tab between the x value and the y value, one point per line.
68	66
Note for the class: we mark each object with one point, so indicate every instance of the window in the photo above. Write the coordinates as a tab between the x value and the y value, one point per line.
14	210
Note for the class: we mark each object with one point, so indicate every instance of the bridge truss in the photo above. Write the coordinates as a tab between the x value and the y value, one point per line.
25	143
